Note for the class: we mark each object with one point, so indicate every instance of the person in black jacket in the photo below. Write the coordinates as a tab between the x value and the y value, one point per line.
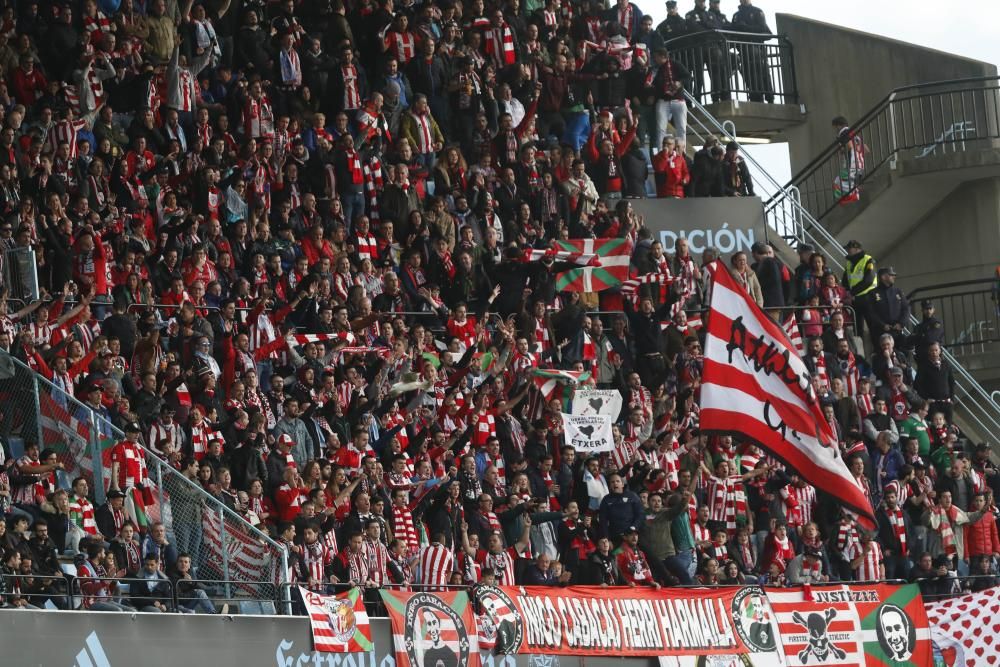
636	171
707	172
936	382
246	463
736	175
768	275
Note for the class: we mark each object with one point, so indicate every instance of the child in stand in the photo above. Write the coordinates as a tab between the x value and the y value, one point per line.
811	320
833	296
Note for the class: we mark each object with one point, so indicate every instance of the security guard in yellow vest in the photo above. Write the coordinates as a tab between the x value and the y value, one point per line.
861	279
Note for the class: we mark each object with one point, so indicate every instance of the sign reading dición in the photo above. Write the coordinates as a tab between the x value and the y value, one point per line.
587	621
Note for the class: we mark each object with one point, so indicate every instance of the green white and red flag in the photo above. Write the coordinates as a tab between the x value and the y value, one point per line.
613	255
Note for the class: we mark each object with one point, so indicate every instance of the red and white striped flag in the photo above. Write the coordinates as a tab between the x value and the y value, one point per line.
755	386
791	327
339	622
247	558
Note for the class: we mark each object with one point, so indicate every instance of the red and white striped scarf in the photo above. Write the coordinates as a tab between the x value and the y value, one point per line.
865	405
727	500
425	137
718	552
316	557
378	560
781	552
373	185
486	428
354	164
201	435
625	20
945	527
404	529
366	246
94	26
352	94
625	450
820	363
899	526
500	45
847	537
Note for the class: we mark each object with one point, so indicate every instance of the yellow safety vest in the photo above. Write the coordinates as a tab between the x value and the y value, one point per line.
856	273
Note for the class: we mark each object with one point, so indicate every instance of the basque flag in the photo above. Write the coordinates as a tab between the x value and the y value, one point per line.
755	386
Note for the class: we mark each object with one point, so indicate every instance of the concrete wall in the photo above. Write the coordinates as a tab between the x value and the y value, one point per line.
846	72
957	240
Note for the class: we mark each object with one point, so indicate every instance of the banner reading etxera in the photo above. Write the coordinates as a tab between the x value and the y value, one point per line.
635	622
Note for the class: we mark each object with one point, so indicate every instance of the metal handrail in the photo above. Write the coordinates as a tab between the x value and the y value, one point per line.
958	283
911	130
880	106
76	588
151	456
765	63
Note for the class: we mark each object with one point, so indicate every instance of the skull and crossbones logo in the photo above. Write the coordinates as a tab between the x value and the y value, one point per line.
819	645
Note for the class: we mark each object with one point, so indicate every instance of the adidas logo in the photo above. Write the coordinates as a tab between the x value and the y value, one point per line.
92	654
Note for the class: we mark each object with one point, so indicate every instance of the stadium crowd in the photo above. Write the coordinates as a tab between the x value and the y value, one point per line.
282	247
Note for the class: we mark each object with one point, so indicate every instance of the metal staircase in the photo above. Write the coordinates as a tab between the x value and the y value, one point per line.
792	223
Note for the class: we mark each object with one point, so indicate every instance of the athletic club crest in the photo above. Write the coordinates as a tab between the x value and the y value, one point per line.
340	615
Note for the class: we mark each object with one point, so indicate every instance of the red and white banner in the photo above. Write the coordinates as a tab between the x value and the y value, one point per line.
432	629
592	621
876	625
339	622
966	629
247	559
755	386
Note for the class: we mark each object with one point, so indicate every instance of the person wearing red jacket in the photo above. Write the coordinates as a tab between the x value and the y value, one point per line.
632	561
670	170
91	263
290	495
28	82
982	538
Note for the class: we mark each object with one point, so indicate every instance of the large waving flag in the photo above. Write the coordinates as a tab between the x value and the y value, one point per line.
755	386
614	256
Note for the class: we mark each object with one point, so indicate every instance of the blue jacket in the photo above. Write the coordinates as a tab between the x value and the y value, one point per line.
618	511
891	463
